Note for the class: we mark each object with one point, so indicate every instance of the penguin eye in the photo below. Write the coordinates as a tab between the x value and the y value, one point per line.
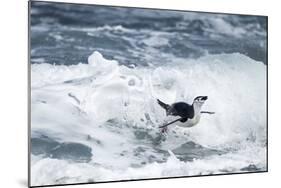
199	100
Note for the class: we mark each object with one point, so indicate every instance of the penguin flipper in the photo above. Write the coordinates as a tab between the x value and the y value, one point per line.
167	124
164	105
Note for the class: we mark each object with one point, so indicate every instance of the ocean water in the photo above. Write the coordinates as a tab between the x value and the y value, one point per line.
97	71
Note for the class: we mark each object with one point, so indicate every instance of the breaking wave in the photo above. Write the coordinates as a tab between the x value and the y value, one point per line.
111	110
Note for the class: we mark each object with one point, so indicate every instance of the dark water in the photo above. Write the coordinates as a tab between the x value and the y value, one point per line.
68	34
48	147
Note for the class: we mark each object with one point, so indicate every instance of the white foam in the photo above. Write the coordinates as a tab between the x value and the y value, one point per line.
52	171
105	90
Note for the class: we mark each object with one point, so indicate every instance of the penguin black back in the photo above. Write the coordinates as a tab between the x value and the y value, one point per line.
183	109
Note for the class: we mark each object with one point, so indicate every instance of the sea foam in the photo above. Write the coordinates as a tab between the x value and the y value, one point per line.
104	106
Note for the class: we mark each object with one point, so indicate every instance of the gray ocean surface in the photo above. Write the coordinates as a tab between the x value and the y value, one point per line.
68	34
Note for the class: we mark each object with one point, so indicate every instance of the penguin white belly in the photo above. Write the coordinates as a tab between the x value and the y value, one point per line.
190	122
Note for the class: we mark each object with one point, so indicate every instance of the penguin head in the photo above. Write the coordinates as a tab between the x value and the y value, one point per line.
199	100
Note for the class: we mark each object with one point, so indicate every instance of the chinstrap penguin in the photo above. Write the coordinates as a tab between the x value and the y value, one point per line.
189	115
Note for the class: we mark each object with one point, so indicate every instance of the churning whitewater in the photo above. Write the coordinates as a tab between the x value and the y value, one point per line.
98	121
97	72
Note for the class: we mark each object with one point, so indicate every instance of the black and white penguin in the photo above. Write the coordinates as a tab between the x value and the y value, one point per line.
189	115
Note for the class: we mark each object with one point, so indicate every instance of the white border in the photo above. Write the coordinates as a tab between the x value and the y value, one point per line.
13	98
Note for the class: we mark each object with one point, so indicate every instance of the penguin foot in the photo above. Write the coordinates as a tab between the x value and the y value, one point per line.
164	130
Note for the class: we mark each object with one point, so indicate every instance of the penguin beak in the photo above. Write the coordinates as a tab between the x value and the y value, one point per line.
204	98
